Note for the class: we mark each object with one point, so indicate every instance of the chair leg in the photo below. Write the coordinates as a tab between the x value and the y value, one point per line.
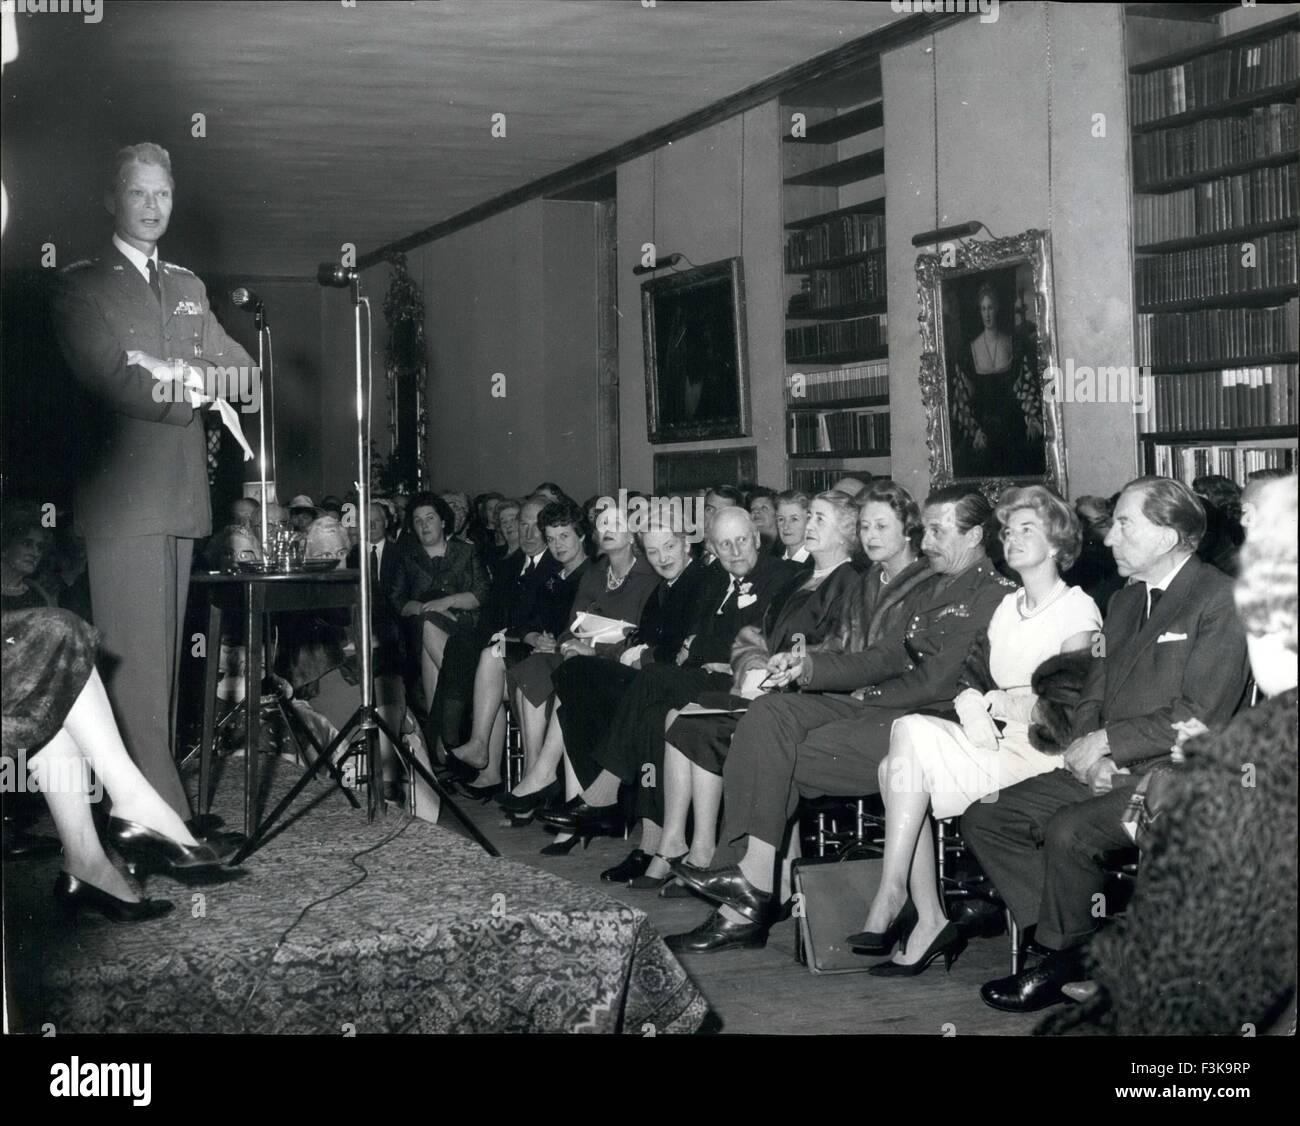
1014	932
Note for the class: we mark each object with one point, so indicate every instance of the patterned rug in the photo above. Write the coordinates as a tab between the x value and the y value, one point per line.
408	927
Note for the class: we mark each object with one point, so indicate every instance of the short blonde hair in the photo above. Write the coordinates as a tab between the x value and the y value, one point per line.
1266	583
1060	522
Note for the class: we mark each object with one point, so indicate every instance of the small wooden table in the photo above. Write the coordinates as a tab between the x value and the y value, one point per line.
254	595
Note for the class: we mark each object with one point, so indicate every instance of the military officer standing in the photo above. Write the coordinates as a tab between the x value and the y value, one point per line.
140	338
831	737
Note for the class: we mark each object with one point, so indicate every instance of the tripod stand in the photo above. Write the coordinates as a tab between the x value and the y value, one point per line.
365	719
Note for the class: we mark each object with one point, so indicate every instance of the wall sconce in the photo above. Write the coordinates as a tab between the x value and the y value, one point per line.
948	234
660	263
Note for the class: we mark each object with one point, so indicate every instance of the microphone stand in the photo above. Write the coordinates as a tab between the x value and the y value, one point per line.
259	319
365	719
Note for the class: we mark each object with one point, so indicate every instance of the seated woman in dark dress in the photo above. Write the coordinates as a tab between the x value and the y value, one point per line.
438	585
59	726
997	401
618	587
565	530
697	746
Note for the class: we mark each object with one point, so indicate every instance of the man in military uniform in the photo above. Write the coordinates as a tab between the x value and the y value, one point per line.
139	336
824	741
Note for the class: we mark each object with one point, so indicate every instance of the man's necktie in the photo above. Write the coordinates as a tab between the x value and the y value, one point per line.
153	280
735	583
1154	595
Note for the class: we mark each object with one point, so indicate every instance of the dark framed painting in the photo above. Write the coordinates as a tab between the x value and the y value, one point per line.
680	474
988	342
696	354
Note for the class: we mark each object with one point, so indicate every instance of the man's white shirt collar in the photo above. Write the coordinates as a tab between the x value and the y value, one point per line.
1163	584
138	260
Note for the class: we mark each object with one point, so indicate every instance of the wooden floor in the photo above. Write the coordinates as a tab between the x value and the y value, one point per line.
766	991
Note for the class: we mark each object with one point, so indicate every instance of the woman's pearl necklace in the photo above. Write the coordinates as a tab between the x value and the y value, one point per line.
610	583
1059	589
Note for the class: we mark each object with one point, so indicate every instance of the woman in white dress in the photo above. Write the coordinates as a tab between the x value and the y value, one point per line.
938	767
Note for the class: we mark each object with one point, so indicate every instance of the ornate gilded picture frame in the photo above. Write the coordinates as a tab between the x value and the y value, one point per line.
988	342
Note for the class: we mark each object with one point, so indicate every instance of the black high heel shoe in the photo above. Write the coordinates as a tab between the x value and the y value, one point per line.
949	943
72	895
655	883
563	848
147	851
527	804
880	943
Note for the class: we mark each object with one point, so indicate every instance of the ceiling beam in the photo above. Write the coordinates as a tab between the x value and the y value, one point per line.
840	60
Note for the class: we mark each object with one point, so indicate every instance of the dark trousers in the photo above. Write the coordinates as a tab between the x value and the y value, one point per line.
1045	843
138	589
633	746
589	690
800	745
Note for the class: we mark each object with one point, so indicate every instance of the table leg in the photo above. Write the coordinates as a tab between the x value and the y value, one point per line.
211	674
252	701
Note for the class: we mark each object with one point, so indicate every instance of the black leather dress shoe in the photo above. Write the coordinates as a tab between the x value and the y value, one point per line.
718	933
579	817
1038	987
635	865
729	886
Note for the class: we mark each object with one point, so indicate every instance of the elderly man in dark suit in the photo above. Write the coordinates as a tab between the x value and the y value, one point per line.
832	737
1173	650
140	337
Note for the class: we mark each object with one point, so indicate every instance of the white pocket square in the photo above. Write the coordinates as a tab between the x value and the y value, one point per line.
746	600
1170	637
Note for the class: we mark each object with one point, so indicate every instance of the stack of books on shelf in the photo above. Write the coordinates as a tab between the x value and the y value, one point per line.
1186	463
1214	143
1221	400
1216	336
861	381
849	285
1214	78
836	238
1216	271
1264	195
839	432
859	334
817	479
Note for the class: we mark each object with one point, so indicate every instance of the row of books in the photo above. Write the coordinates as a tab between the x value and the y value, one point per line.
808	342
835	238
859	381
1261	196
1186	463
1214	143
814	479
1220	400
1209	80
1215	336
848	285
838	431
1215	271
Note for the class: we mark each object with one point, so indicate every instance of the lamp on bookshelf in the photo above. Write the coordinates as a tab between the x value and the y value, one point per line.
948	234
661	263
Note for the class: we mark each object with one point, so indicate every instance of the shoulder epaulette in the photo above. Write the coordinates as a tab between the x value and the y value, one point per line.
79	264
177	269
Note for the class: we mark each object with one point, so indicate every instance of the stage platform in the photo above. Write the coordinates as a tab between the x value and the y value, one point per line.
343	925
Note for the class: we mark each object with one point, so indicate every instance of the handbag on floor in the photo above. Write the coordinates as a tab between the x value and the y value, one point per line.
833	897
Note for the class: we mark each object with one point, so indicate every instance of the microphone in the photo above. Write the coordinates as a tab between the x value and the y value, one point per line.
244	298
339	277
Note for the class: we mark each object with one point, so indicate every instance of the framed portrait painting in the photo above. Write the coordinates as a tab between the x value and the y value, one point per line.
988	342
696	353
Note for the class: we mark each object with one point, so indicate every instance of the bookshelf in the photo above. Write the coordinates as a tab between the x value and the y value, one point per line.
836	343
1216	207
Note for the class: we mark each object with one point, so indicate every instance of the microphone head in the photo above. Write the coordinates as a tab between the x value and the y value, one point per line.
241	297
332	274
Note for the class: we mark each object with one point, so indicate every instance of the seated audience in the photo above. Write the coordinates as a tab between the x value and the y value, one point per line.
1255	481
330	505
438	585
820	741
1094	571
696	747
507	526
58	723
550	490
23	545
459	505
851	485
1208	945
716	499
248	512
1173	650
791	520
1223	530
940	766
588	690
632	748
302	511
